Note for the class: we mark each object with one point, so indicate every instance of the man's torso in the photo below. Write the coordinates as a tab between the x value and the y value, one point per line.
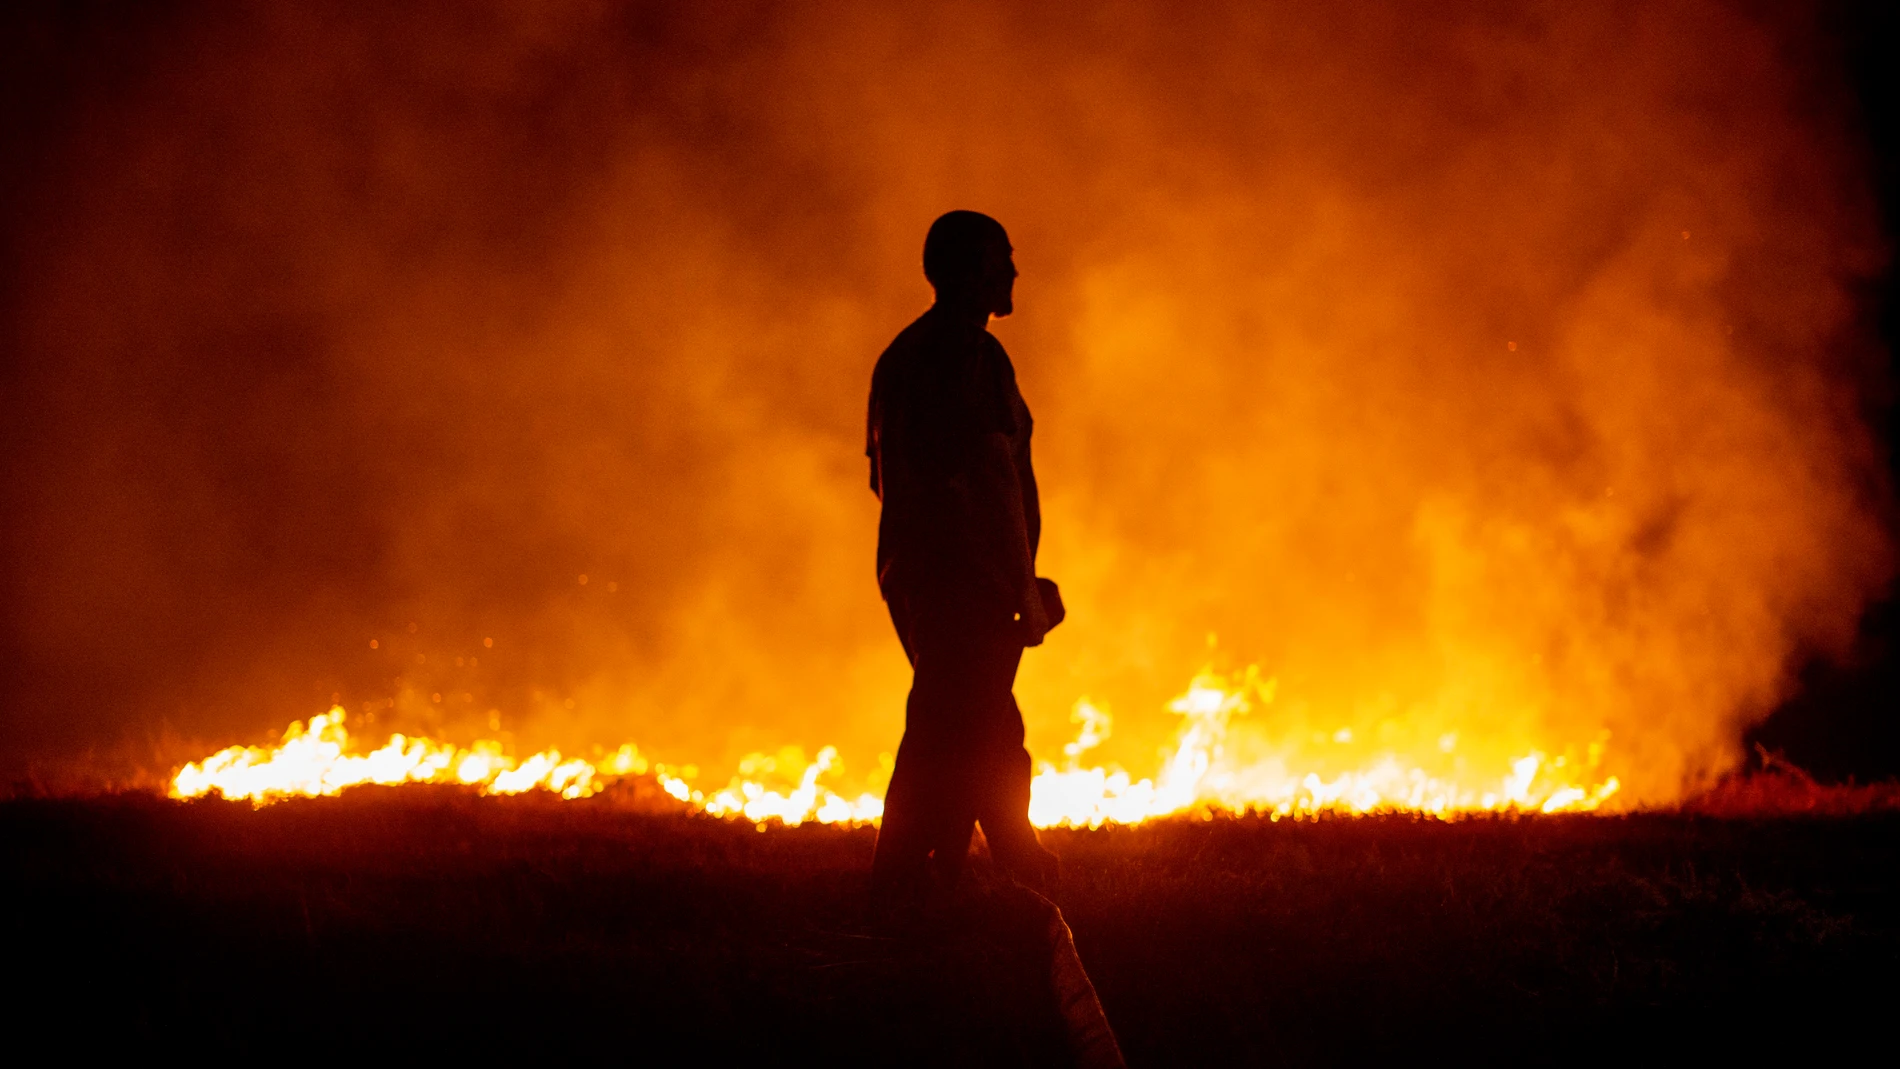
939	390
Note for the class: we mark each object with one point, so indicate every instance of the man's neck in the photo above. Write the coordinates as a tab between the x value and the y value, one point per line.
962	311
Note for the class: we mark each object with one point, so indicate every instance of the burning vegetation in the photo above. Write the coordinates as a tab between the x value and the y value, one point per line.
1198	774
1491	378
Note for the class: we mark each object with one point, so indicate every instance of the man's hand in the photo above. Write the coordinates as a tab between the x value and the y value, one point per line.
1042	611
1033	619
1052	607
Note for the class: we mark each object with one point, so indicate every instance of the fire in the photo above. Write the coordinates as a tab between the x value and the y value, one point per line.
1199	774
315	760
1207	768
1496	374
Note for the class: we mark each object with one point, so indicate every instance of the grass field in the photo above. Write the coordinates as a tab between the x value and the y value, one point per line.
427	920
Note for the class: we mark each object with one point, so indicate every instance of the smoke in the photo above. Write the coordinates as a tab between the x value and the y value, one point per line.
1492	374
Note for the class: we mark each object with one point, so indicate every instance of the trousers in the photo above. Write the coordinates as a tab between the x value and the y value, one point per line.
961	762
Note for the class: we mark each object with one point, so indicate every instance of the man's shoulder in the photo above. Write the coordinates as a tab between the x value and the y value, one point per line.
993	348
914	336
930	334
906	348
926	350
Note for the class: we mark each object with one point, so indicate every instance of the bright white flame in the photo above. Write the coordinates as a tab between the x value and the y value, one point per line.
1197	773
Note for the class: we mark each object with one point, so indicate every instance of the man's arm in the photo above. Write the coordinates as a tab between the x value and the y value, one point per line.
1000	492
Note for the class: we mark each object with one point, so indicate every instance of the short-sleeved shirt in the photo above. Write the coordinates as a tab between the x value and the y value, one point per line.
940	388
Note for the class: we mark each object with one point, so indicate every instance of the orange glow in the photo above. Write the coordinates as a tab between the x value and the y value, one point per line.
1200	772
1493	376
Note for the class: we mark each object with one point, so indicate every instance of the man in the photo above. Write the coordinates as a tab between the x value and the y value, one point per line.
948	440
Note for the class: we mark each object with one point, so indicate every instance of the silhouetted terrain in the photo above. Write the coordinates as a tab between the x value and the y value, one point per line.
433	921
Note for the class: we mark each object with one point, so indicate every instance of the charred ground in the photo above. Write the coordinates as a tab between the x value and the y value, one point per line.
435	921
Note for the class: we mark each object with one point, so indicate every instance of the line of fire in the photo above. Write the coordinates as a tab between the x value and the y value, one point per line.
435	508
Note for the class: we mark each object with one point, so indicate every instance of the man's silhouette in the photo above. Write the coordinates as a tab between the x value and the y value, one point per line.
948	440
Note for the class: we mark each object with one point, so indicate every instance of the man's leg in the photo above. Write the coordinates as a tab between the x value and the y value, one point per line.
1012	839
1002	803
898	866
928	808
962	758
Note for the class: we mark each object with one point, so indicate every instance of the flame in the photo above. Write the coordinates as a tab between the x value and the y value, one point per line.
1499	373
314	761
1200	772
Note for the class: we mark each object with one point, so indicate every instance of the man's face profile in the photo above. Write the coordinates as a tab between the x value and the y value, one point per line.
968	258
997	282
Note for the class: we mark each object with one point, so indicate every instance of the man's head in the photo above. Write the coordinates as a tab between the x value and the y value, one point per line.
967	258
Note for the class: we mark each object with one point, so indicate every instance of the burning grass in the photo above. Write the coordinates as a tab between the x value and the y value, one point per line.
1202	768
432	919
